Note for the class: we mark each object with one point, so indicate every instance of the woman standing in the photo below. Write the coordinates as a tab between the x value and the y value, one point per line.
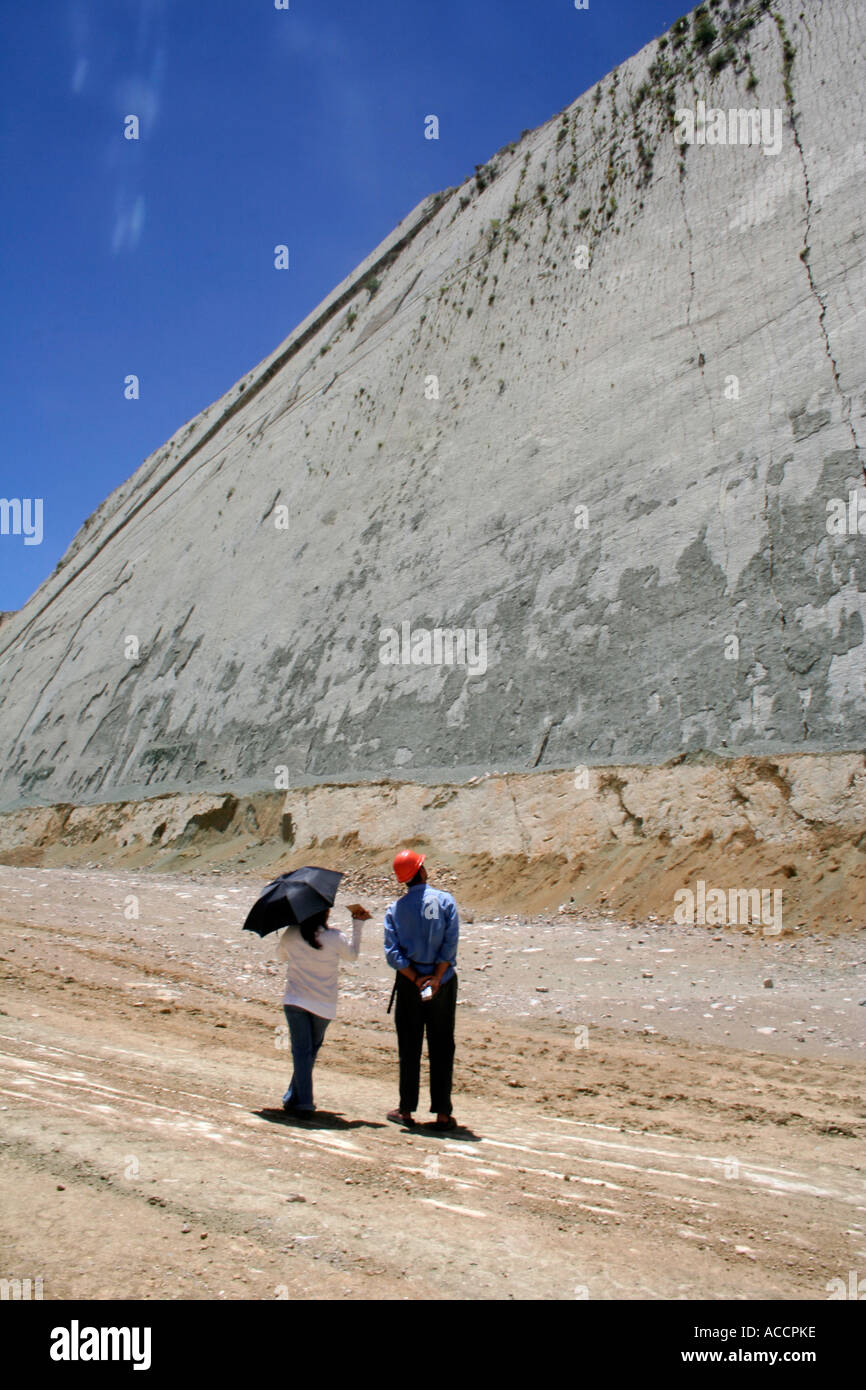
313	952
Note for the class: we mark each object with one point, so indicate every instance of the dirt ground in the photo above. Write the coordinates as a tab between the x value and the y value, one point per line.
645	1116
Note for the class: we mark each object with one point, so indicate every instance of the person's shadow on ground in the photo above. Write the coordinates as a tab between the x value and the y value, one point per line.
320	1119
462	1134
333	1119
430	1130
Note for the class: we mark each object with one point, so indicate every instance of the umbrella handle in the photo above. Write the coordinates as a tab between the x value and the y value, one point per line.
393	992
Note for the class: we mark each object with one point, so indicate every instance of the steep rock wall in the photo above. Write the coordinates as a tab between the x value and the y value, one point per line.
564	379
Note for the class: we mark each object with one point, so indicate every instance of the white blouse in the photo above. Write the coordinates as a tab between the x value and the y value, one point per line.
311	977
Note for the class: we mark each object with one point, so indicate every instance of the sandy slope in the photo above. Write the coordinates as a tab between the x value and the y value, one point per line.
144	1152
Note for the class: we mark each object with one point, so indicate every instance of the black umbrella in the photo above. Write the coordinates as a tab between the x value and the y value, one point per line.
292	899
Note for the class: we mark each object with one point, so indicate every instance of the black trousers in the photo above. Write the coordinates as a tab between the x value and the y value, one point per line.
412	1016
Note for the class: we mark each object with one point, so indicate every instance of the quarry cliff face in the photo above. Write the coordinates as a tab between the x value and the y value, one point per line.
567	472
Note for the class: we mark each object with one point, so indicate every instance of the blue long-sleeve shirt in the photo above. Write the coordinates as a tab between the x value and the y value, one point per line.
423	928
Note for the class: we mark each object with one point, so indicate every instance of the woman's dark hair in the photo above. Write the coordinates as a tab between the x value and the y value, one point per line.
310	927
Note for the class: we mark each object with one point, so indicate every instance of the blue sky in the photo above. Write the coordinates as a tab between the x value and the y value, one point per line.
258	126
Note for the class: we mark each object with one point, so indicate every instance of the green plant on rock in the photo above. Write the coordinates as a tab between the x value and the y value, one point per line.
660	70
704	29
721	58
640	96
645	159
737	29
788	55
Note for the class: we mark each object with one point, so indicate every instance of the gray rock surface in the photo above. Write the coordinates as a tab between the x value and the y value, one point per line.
606	386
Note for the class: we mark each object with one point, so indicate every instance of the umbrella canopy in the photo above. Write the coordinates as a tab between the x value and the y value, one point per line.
292	899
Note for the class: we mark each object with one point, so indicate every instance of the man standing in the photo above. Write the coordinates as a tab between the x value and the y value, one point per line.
421	933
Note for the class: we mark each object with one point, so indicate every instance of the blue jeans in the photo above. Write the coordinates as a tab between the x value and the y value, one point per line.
307	1032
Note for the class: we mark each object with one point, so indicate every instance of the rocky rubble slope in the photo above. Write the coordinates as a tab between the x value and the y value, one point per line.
627	840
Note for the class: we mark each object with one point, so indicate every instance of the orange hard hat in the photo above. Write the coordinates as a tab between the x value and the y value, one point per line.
407	863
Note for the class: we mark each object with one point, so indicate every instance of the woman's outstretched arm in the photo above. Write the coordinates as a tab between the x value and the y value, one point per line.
352	948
